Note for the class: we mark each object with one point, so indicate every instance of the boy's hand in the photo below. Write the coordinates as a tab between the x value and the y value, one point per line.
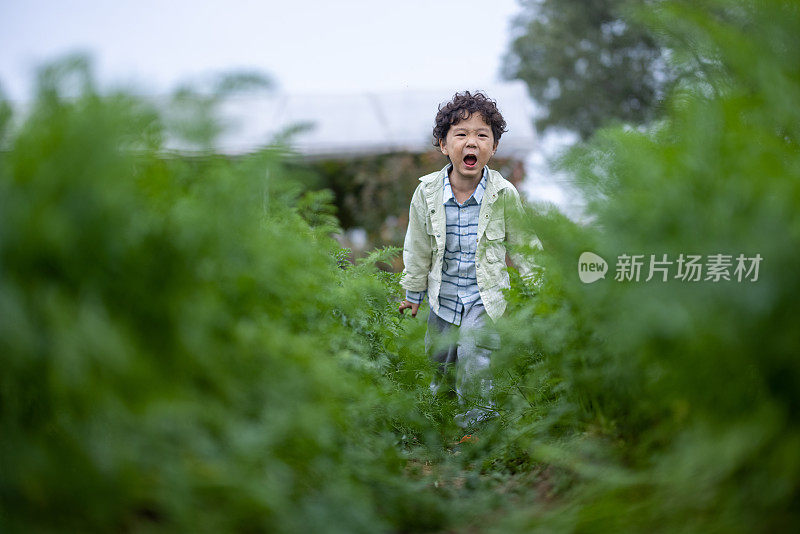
414	307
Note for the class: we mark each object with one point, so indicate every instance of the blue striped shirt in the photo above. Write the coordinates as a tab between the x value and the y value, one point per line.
459	281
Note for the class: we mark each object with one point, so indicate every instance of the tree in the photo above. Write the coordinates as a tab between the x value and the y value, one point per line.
587	63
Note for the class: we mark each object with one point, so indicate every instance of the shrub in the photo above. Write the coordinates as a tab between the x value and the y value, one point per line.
181	348
674	404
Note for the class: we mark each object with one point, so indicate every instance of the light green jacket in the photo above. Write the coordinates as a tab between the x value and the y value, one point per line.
423	250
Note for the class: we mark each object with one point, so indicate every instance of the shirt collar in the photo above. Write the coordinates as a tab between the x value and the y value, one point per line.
477	194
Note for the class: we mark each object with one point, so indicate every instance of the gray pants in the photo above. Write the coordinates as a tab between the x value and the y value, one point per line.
463	354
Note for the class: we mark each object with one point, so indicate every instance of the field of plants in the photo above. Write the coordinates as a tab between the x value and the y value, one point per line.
184	347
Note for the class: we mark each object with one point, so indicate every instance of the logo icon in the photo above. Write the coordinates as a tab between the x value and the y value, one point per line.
591	267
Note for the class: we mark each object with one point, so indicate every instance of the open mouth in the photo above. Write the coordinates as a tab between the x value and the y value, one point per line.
470	160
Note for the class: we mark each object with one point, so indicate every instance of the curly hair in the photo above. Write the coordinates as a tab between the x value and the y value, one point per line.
461	107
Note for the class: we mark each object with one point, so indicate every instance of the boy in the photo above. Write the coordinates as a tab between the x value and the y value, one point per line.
460	220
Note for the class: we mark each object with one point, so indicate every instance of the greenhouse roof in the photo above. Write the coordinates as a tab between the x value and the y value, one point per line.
366	123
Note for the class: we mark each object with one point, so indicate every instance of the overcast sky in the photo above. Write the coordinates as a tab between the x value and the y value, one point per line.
307	46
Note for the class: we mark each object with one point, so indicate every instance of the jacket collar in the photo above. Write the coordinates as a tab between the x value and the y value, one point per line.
434	192
447	193
434	183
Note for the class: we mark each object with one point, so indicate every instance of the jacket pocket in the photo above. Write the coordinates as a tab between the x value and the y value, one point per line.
429	226
431	231
495	241
496	229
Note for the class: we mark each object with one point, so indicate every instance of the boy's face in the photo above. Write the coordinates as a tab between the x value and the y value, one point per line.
470	145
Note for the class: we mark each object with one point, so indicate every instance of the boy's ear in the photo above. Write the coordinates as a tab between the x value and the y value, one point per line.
442	148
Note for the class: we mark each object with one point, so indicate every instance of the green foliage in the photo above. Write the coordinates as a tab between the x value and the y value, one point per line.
673	405
587	63
182	348
191	114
